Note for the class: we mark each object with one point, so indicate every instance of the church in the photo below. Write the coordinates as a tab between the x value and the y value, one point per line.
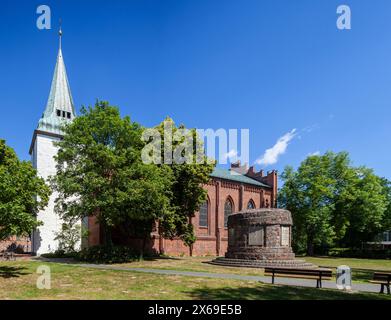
229	190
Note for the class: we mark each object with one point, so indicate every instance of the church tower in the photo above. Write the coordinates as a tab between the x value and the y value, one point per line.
59	110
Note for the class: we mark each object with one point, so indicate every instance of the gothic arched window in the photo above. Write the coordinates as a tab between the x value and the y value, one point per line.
203	218
251	204
228	209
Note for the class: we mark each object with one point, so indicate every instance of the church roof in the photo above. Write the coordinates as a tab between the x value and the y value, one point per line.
232	175
59	107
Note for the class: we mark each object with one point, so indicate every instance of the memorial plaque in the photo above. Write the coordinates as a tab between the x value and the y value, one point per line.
284	236
231	236
256	237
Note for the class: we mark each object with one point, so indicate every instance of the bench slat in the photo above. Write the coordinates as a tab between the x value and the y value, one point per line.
378	282
284	275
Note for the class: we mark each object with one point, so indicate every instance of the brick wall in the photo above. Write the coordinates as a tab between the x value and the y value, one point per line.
211	240
16	242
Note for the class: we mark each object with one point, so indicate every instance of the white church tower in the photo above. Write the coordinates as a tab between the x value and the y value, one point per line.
59	109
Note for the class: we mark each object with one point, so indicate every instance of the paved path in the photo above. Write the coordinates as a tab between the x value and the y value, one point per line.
286	281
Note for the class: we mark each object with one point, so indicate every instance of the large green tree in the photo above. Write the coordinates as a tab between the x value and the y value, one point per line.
333	202
100	172
22	194
365	204
191	170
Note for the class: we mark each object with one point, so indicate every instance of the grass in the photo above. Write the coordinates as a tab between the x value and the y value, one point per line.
199	264
18	281
369	264
362	269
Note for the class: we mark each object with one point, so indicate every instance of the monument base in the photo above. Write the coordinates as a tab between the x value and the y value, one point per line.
247	263
259	238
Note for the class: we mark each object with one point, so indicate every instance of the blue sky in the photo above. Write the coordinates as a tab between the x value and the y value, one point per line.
269	66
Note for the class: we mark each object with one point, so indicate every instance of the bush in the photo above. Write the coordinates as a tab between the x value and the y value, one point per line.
19	250
338	252
102	254
61	254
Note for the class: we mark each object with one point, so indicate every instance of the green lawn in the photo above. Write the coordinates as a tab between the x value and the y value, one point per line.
191	264
362	269
18	281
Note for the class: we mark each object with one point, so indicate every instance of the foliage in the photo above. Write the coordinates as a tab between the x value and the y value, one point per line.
60	253
104	254
332	202
387	215
100	172
69	236
22	194
364	203
188	180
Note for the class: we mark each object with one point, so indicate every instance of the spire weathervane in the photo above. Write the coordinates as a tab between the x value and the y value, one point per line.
60	33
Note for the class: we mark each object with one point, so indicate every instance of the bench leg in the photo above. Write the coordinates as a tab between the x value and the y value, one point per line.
388	289
318	284
273	279
381	288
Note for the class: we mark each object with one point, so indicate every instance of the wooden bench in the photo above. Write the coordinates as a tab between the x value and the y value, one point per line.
382	278
317	274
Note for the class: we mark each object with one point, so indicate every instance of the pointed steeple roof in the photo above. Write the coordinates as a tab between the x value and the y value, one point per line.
59	107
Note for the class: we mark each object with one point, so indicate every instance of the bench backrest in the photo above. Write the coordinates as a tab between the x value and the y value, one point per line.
326	273
382	276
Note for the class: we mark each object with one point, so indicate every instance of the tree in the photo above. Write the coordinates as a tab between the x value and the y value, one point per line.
365	203
69	236
308	194
22	194
100	172
190	173
387	215
333	202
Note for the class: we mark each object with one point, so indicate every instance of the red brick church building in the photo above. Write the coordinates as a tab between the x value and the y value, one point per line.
229	191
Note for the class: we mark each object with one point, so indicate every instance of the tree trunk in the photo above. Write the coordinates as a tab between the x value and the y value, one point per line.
143	248
310	248
191	246
107	241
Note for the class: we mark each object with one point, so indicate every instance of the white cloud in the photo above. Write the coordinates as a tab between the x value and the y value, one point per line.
316	153
271	155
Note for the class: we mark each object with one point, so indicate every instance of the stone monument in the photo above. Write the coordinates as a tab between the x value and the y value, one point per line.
261	238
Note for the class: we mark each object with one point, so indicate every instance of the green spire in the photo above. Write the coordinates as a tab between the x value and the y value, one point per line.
60	107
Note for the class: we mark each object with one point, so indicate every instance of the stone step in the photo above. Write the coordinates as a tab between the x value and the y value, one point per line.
262	263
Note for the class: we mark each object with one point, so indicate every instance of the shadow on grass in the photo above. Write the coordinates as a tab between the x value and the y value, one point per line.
76	261
157	258
279	292
12	272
